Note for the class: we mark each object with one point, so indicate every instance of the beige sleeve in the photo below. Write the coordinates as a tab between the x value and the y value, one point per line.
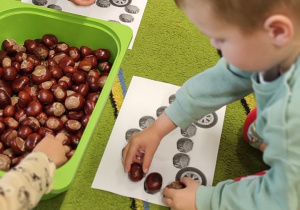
24	185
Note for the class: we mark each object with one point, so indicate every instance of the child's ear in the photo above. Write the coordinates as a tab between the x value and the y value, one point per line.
280	29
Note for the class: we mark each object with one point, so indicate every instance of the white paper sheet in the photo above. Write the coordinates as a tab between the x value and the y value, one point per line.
132	10
143	98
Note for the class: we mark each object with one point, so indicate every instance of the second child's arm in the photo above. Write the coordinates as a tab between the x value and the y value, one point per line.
147	141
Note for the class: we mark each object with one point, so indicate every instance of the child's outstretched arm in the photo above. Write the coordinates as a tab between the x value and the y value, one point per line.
24	185
147	142
83	2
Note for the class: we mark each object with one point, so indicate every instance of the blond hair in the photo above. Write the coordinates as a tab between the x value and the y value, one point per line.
247	14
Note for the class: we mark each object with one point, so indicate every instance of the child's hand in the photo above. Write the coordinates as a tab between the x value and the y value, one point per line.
83	2
54	148
140	148
182	199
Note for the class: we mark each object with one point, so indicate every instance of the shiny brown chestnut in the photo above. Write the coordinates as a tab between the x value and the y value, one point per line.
42	117
45	96
50	40
45	131
7	135
74	53
32	122
41	52
9	73
72	126
34	108
74	102
55	109
20	83
136	172
23	99
153	183
40	74
9	111
102	54
176	185
30	45
85	51
5	162
27	66
24	131
17	145
10	122
4	99
54	123
32	140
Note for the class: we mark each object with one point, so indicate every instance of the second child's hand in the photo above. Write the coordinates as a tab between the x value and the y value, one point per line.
83	2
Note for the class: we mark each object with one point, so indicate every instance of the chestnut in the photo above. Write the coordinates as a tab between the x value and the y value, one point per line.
59	56
30	45
85	120
20	114
5	162
2	127
32	140
76	115
7	135
153	183
55	109
84	65
9	111
105	66
74	102
41	52
40	74
74	53
42	117
58	92
54	123
45	96
85	51
6	61
17	145
24	131
20	57
72	126
20	83
4	99
50	40
136	172
34	108
176	185
10	122
45	131
92	59
23	99
66	61
89	106
7	43
79	77
1	147
27	66
34	59
5	86
32	122
102	81
102	54
62	47
9	73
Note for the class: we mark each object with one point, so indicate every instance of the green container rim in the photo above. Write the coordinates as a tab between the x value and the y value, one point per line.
122	36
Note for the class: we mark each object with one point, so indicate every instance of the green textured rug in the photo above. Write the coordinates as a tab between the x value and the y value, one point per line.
167	48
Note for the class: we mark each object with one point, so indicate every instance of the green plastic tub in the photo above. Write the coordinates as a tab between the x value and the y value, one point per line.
21	21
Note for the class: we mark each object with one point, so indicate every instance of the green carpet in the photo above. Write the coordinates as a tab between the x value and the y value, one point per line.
167	48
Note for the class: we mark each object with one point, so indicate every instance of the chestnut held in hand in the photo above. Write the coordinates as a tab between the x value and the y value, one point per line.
153	183
176	185
136	172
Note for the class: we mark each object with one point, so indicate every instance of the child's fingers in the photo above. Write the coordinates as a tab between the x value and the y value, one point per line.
60	137
67	149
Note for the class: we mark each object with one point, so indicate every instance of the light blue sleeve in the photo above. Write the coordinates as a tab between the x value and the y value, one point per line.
207	92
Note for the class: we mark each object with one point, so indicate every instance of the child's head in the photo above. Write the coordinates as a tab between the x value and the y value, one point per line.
247	15
253	35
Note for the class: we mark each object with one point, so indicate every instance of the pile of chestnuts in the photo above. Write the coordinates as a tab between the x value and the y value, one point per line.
46	87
